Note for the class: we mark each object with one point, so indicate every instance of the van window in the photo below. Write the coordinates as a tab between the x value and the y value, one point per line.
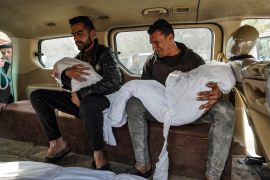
134	47
52	50
262	49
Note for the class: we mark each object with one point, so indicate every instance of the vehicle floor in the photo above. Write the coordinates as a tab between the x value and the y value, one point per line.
11	150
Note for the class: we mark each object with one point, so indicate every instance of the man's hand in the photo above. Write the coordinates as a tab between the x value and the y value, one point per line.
2	106
211	96
77	72
75	99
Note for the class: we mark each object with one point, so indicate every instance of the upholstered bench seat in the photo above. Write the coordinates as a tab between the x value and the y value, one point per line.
187	145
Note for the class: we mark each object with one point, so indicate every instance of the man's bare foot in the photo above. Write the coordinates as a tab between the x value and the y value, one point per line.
99	159
208	178
143	168
2	106
56	146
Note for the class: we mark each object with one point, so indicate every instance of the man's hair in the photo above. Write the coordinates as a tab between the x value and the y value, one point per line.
82	19
161	25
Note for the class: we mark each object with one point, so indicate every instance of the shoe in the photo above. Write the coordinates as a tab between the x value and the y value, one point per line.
249	160
136	172
59	156
105	167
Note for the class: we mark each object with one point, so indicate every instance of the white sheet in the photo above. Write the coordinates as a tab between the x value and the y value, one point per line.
178	98
66	62
44	171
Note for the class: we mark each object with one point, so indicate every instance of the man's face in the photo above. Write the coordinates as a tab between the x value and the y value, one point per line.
83	37
161	44
7	53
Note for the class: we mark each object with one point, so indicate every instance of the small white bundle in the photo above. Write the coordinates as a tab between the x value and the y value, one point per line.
66	62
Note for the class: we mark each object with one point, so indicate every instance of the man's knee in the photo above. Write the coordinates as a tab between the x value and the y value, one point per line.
135	112
93	104
134	105
224	113
35	95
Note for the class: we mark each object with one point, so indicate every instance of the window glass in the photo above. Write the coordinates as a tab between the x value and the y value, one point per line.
262	49
56	49
134	47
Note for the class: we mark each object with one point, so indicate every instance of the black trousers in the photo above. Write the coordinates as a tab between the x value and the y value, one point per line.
90	112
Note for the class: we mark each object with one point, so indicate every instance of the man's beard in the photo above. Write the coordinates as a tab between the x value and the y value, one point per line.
159	55
83	46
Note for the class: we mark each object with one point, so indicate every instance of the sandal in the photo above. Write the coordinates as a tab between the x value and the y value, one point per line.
59	156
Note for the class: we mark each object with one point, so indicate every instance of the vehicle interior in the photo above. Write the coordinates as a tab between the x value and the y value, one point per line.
40	36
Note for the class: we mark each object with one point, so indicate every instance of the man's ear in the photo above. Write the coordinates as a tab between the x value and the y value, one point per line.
170	37
92	33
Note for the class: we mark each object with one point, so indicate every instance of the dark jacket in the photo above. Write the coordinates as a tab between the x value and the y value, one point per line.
104	63
159	68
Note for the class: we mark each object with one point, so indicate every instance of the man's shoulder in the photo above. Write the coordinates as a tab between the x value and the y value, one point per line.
151	59
105	54
189	55
102	48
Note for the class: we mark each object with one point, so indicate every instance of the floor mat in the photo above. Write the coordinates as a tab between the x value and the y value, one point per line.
11	150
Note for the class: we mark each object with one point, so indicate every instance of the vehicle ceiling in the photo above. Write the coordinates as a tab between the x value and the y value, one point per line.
29	18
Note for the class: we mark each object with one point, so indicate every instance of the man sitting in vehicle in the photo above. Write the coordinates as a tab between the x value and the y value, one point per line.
5	68
168	57
87	103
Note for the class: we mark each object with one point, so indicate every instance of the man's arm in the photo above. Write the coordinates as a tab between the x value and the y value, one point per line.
74	72
111	80
147	68
210	96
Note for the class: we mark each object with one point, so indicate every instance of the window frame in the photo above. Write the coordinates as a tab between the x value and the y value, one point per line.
39	54
215	29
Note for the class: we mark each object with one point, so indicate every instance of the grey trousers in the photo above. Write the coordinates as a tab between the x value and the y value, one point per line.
221	117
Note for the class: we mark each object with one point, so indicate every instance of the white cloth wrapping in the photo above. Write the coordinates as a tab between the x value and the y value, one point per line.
182	106
66	62
44	171
178	98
